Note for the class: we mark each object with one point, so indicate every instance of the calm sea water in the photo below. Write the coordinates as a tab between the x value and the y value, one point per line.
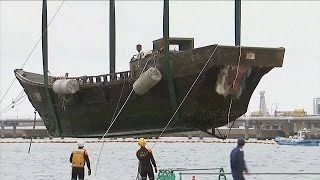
118	160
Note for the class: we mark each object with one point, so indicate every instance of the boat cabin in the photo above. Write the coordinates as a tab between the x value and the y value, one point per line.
183	44
175	45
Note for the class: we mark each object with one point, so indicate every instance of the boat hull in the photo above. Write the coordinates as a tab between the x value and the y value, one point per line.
89	112
307	142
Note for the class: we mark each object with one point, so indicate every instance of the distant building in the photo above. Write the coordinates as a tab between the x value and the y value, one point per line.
316	106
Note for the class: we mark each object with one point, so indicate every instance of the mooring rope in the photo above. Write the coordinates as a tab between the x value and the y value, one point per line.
16	102
186	95
115	111
105	134
34	125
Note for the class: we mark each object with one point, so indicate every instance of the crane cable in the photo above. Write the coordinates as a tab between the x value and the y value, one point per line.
233	84
112	122
14	102
183	100
215	49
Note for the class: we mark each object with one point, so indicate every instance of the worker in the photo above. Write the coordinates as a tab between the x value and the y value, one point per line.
238	164
146	161
79	157
139	48
140	53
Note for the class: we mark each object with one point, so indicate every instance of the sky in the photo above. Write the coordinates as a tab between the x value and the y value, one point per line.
79	42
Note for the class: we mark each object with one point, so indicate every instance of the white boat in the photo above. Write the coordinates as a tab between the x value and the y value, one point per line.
299	139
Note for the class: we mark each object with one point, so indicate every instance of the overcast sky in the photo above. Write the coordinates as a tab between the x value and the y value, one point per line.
78	40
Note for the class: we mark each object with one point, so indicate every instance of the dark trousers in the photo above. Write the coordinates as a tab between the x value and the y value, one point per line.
147	172
77	172
238	176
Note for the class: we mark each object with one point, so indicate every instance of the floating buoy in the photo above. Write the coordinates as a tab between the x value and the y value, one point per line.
147	80
66	86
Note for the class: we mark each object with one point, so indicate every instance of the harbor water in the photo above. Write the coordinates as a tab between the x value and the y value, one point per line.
118	160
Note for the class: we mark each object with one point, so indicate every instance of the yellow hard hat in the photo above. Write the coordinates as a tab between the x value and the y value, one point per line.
142	142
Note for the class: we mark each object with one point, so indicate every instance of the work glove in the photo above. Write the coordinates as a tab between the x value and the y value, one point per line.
155	169
89	172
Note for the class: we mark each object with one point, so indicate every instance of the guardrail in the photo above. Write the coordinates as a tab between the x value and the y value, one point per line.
168	174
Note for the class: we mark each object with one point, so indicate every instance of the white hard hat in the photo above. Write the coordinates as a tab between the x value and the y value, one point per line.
80	143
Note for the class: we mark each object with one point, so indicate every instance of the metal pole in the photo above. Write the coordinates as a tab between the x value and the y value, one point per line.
168	70
112	37
45	67
237	20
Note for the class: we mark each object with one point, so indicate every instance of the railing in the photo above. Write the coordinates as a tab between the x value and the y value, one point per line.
106	78
168	174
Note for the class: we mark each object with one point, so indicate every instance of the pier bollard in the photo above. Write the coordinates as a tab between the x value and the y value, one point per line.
222	176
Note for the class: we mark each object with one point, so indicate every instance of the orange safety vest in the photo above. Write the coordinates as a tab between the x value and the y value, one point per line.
78	158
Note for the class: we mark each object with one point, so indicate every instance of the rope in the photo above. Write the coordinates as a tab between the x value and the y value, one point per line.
112	119
229	110
23	98
239	58
186	95
259	173
233	84
34	47
105	134
124	81
63	99
155	65
220	137
34	125
199	169
14	103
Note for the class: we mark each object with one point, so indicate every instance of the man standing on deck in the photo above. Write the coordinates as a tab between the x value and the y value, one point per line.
140	53
146	161
238	164
79	157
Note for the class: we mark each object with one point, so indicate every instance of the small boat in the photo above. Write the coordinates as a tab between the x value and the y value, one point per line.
299	140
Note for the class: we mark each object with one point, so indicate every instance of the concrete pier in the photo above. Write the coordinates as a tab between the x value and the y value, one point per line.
2	130
258	130
246	130
247	127
23	133
14	131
